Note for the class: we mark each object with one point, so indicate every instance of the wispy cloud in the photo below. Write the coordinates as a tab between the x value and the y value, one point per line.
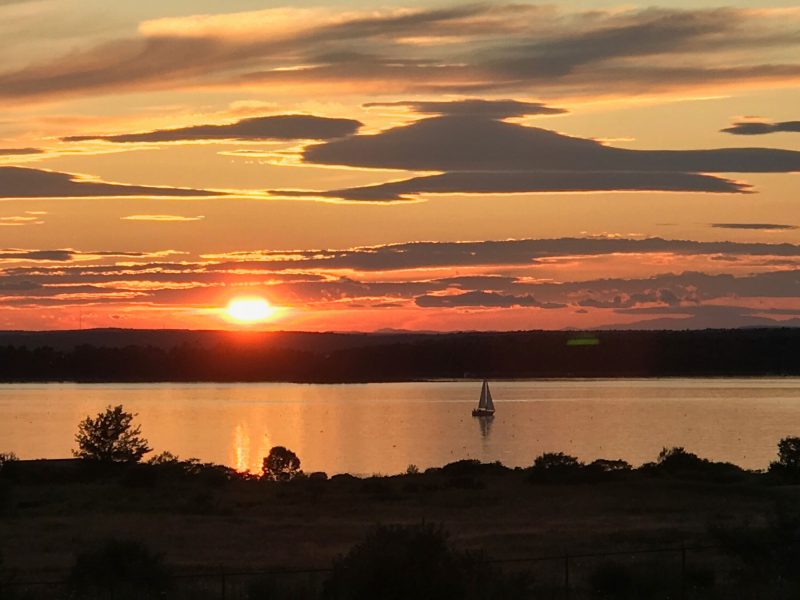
163	218
465	49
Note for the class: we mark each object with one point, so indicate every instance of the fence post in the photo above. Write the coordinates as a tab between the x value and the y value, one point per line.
566	576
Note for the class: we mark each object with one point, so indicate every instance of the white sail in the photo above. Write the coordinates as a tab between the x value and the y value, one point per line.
485	404
489	404
484	395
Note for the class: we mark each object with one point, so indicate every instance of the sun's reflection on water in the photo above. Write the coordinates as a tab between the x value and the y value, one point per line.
241	448
247	457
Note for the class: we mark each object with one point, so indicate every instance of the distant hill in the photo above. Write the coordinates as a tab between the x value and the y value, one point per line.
176	355
171	338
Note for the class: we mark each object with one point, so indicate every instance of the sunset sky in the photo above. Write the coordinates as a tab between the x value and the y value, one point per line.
407	165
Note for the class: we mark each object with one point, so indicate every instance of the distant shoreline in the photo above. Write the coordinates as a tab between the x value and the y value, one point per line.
390	381
174	356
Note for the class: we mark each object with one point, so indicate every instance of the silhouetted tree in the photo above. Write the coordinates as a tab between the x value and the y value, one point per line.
788	463
280	465
789	453
110	437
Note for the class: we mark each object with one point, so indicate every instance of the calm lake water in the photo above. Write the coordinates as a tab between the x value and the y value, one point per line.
382	428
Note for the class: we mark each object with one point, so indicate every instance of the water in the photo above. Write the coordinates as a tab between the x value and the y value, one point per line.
382	428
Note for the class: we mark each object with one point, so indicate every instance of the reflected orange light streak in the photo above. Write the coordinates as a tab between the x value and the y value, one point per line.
241	448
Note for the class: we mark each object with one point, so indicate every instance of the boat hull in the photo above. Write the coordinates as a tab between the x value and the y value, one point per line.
482	412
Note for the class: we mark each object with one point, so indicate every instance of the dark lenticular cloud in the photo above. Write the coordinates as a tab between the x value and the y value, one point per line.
469	143
531	182
755	226
762	128
495	109
20	182
278	127
44	255
20	151
65	255
477	152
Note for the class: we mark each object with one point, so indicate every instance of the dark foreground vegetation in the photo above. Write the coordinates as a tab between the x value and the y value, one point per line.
681	527
129	355
109	525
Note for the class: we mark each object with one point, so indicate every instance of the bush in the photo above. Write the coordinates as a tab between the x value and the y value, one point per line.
5	458
123	570
677	462
110	438
555	467
678	459
280	465
396	562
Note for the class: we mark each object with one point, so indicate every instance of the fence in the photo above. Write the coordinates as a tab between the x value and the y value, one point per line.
560	576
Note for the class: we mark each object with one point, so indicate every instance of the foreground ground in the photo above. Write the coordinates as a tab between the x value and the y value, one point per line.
208	522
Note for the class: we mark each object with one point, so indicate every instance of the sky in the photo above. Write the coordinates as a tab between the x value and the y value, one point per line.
363	166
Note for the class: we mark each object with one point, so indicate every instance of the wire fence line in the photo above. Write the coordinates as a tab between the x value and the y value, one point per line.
224	578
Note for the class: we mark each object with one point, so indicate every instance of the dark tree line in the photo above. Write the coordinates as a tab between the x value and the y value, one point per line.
741	352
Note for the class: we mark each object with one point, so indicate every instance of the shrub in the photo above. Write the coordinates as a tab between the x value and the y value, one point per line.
123	570
412	470
678	462
555	466
396	562
110	438
604	465
467	466
7	457
677	459
280	465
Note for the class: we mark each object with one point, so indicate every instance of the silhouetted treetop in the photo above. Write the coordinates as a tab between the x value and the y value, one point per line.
111	438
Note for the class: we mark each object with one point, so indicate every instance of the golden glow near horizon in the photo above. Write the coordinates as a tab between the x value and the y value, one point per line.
329	159
249	310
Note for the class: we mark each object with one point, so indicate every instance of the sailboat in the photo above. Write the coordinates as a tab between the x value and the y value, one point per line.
485	404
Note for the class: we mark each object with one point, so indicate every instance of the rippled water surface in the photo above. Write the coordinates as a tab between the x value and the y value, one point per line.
382	428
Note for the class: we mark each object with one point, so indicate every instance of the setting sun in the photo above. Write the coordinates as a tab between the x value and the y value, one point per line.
249	310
